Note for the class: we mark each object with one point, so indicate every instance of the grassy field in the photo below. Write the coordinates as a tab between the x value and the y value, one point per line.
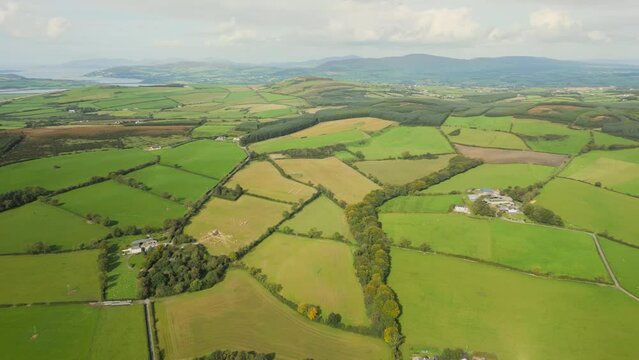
239	222
71	276
58	172
347	184
399	172
573	142
73	332
322	214
206	157
365	124
36	221
449	302
291	142
616	170
588	207
124	270
212	130
183	186
421	204
251	318
494	176
502	156
262	178
623	259
121	203
313	271
485	138
607	139
532	248
501	123
398	140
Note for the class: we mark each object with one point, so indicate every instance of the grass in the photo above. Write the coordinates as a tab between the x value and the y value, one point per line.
485	138
501	123
421	204
123	204
397	172
573	142
123	272
400	139
365	124
494	176
449	302
73	332
212	130
36	221
207	157
607	139
588	207
58	172
290	142
184	186
251	318
71	276
623	260
240	222
313	271
532	248
323	215
347	184
262	178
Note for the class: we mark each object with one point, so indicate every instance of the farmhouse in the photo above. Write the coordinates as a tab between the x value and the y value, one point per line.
461	209
154	148
139	246
220	138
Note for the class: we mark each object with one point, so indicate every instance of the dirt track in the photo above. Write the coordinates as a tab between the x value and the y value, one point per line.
499	156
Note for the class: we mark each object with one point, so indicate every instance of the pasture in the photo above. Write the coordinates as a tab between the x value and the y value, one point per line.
551	137
484	138
395	142
224	226
501	123
291	142
322	214
365	124
181	185
623	260
251	318
123	270
501	156
347	184
421	204
206	157
607	139
313	271
450	302
397	172
212	130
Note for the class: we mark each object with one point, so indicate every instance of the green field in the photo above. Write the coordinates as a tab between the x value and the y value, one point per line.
123	270
251	318
399	171
290	142
607	139
212	130
401	139
623	259
494	176
313	271
121	203
421	204
323	215
537	249
485	138
588	207
183	186
50	277
37	221
501	123
573	142
58	172
515	316
73	332
206	157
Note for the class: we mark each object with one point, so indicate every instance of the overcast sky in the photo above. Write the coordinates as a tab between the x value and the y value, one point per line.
47	31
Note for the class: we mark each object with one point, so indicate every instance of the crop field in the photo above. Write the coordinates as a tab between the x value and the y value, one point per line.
252	319
397	172
421	204
616	170
398	140
501	123
262	178
313	271
210	158
224	226
485	138
511	315
323	215
588	207
497	176
73	332
537	249
347	184
501	156
34	222
122	204
623	259
183	186
571	141
212	130
365	124
290	142
62	171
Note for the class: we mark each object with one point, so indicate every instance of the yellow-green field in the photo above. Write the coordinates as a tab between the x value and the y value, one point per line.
399	171
323	215
484	138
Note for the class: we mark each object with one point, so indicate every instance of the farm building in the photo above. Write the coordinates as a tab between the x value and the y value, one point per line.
139	246
461	209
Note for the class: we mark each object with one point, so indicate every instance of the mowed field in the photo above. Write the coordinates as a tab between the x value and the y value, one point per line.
624	261
421	204
239	222
71	276
262	178
394	142
240	314
494	176
501	123
58	172
212	130
28	224
588	207
183	186
398	171
73	332
206	157
347	184
538	249
292	142
365	124
313	271
322	214
572	143
485	138
450	302
502	156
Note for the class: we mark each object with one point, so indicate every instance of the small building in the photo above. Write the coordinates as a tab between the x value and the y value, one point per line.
499	200
139	246
461	209
220	138
154	148
72	111
236	139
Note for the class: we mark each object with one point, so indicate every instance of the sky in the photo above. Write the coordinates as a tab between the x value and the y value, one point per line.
49	32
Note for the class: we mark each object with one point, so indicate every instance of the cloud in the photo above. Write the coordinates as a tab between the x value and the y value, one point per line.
7	10
168	43
553	21
598	36
56	26
230	33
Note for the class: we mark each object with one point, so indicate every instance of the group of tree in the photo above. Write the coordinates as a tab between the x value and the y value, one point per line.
315	153
98	219
15	198
523	194
236	355
542	215
40	247
312	312
481	207
130	182
227	193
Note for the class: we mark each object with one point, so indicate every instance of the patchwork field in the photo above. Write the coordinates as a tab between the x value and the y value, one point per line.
252	319
238	223
485	138
450	302
588	207
313	271
365	124
206	157
421	204
501	156
262	178
399	171
501	123
533	248
418	140
570	142
74	332
183	186
623	259
322	214
347	184
291	142
55	226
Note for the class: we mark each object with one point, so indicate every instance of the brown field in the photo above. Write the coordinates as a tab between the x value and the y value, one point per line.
499	156
551	109
366	124
101	132
259	107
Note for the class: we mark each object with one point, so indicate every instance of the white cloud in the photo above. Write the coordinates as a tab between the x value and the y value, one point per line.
169	43
56	26
7	10
598	36
230	33
552	21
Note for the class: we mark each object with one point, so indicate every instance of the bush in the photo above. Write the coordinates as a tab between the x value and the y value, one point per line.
542	215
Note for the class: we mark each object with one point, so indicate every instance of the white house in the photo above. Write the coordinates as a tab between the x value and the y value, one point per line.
461	209
139	246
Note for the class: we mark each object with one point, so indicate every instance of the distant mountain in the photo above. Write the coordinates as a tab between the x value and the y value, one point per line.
311	63
16	82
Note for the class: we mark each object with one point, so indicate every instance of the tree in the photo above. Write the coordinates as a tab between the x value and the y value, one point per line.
453	354
425	247
542	215
392	336
334	319
481	207
314	233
